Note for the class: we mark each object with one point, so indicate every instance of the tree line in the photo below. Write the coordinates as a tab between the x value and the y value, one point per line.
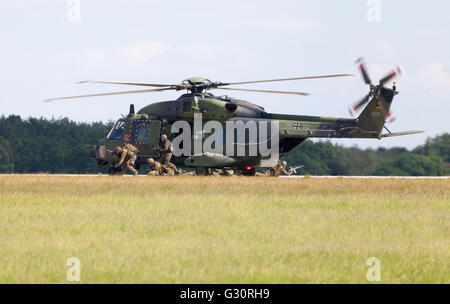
62	146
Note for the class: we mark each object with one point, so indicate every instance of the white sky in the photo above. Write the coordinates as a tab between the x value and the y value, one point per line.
43	55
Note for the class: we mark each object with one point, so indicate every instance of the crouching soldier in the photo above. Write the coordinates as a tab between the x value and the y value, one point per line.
166	156
168	171
154	167
127	156
172	167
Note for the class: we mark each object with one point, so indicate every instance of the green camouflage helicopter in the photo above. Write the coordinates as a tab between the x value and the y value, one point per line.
144	128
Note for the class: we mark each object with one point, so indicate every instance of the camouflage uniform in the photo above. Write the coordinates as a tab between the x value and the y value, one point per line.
166	155
229	172
277	170
166	150
174	168
224	172
168	171
127	157
280	169
155	168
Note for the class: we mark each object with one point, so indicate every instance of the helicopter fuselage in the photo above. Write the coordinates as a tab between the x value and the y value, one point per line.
145	128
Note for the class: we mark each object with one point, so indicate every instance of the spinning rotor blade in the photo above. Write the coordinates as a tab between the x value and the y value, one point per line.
389	118
133	83
391	75
361	103
283	79
363	69
265	91
109	94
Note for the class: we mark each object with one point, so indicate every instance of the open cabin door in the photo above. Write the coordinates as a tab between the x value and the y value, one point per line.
145	135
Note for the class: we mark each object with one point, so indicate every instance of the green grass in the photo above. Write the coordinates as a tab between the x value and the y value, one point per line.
223	230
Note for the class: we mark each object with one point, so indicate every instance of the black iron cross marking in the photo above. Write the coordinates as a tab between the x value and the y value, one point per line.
297	126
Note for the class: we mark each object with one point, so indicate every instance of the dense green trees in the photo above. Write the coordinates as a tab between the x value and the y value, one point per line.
324	158
6	164
57	145
438	146
412	164
61	145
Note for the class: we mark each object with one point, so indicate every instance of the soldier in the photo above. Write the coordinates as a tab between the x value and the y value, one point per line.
228	172
155	167
277	170
280	169
174	168
168	171
166	154
223	172
166	150
127	156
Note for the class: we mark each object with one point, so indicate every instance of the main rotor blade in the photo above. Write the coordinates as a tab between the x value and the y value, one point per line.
283	79
132	83
363	70
109	94
361	103
265	91
389	76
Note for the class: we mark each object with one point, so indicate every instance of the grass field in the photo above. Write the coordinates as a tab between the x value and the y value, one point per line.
223	230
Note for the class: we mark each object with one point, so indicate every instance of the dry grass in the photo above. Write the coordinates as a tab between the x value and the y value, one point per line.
223	230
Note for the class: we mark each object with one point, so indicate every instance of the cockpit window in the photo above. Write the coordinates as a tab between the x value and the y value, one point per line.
117	131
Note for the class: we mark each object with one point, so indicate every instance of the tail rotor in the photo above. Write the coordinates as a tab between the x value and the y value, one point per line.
374	90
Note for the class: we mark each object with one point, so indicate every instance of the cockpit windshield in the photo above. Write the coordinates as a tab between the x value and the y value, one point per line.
117	131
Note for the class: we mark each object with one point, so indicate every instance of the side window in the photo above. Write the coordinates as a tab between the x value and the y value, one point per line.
142	133
117	131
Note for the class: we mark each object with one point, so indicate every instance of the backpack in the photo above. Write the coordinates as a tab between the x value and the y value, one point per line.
131	149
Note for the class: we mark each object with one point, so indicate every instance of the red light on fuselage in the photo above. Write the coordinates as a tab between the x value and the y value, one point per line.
248	168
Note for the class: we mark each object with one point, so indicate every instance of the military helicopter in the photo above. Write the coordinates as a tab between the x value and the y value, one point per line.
144	128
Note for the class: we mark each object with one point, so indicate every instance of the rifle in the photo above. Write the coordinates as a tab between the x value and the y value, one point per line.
294	169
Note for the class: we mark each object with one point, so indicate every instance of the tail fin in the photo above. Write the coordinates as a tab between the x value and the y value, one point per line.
373	117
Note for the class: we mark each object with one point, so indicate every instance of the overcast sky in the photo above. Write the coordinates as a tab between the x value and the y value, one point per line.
44	52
